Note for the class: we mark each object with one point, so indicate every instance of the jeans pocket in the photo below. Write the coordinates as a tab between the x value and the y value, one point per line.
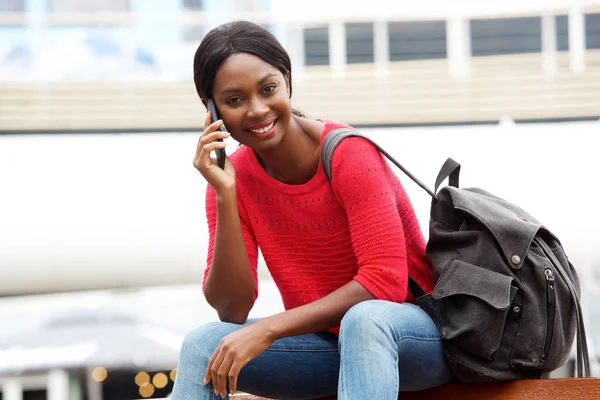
470	305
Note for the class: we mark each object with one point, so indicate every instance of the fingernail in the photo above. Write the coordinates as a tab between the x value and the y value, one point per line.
205	381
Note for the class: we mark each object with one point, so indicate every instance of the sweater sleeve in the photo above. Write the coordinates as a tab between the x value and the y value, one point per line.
362	184
249	239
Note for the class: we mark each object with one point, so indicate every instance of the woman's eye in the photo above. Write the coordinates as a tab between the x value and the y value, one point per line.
269	89
233	100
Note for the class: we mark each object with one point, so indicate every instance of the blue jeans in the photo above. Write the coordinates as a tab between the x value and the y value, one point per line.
383	348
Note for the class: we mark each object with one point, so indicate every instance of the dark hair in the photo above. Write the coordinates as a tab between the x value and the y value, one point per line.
234	38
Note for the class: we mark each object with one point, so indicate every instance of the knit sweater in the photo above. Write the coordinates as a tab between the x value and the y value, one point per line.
316	237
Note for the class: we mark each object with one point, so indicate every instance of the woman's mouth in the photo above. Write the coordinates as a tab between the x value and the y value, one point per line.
263	130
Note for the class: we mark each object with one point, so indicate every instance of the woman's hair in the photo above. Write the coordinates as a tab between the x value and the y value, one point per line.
234	38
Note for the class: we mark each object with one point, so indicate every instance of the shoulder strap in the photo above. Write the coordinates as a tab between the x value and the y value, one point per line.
334	138
331	141
583	357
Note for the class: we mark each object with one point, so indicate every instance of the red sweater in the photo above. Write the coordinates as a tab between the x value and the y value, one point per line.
317	237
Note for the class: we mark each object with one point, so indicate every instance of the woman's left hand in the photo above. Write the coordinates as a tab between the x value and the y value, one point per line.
233	353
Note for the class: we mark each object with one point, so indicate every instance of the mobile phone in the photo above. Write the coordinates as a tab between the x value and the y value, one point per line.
210	106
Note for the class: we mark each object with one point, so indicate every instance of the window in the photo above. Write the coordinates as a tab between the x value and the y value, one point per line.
88	5
193	33
193	5
316	46
417	40
359	43
592	31
506	36
562	33
12	5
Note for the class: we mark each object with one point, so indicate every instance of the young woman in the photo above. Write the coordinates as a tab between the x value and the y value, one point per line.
340	254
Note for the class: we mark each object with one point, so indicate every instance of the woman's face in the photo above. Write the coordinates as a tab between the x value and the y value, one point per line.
252	97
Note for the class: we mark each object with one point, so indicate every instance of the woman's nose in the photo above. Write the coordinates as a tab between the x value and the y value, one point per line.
257	109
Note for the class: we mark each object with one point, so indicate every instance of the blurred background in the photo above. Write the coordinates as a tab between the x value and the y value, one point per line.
103	235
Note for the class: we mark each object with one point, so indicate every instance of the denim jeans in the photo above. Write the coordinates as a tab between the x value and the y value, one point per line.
383	348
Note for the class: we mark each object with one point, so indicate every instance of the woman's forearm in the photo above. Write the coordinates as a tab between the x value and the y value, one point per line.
229	286
319	315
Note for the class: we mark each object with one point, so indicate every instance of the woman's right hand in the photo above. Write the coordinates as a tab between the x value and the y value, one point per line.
221	180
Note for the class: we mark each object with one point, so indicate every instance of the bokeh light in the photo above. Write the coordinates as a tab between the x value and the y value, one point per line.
99	374
160	380
142	378
146	390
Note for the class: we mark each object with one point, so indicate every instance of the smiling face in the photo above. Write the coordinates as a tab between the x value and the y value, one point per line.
253	100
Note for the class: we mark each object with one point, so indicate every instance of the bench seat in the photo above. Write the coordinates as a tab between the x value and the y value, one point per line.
538	389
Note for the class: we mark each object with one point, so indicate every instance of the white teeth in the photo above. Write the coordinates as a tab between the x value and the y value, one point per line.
263	130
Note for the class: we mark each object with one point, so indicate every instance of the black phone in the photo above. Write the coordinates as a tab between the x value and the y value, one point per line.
210	106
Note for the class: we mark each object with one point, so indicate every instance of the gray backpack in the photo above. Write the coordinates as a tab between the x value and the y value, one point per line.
506	298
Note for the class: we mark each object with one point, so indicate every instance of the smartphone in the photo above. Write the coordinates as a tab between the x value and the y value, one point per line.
210	106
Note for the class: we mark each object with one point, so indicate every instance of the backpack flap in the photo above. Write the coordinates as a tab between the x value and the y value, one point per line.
468	305
512	227
471	280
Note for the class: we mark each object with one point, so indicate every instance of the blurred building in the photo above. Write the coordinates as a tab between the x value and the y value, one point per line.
126	64
110	217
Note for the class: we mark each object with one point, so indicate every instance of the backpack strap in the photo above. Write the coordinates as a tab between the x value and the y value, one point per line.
331	141
583	357
334	138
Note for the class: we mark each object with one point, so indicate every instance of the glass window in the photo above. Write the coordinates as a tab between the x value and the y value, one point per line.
592	31
421	40
562	32
193	4
506	36
88	5
359	43
316	46
193	33
12	5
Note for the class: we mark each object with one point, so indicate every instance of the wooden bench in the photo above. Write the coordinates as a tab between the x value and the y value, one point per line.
539	389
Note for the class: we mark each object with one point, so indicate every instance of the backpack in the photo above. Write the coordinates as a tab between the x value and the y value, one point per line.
506	297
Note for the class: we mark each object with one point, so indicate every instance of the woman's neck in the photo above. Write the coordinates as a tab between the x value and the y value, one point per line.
296	159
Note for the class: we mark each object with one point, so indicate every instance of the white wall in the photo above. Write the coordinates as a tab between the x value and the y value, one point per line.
89	211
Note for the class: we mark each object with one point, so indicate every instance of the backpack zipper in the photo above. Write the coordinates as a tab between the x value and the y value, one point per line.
550	312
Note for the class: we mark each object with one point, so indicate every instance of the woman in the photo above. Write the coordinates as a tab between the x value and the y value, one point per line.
339	254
